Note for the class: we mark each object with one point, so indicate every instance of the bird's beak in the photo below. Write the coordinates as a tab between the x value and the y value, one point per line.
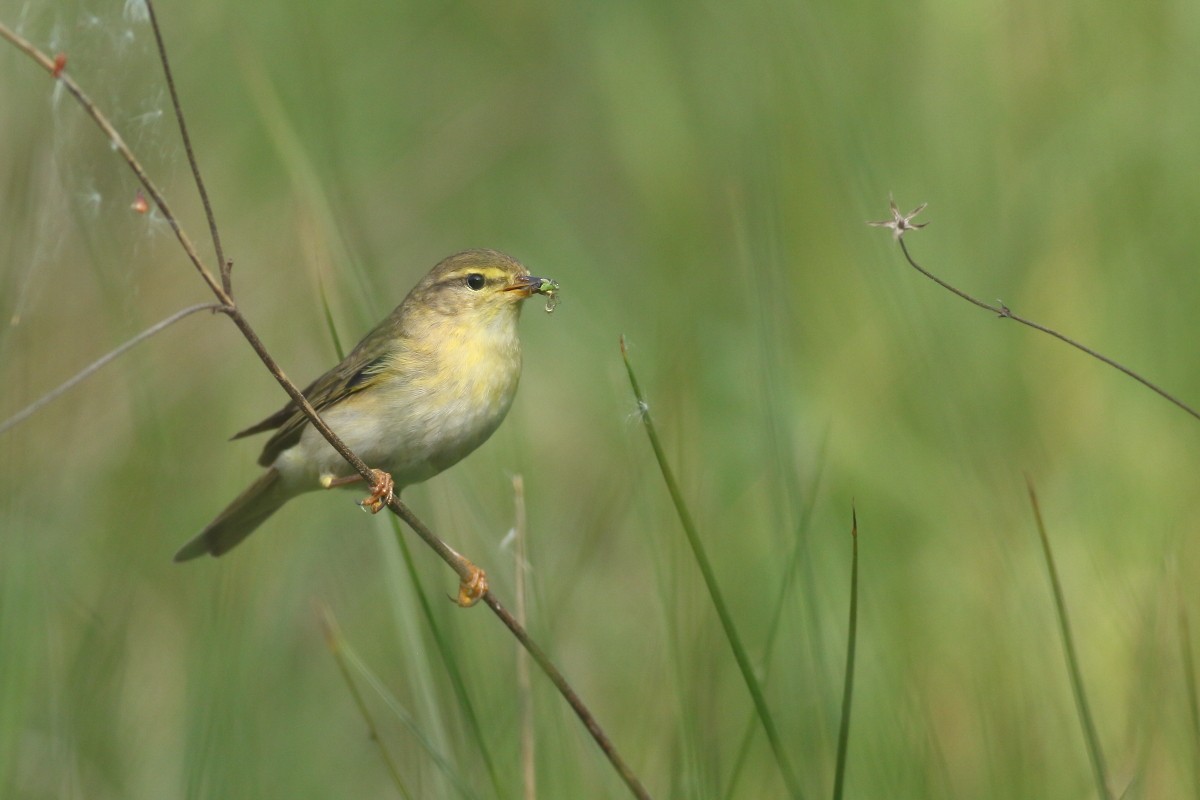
529	285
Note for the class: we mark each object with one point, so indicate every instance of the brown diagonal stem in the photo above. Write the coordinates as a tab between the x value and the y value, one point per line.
1007	313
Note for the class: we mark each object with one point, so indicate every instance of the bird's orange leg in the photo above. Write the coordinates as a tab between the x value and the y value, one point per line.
383	489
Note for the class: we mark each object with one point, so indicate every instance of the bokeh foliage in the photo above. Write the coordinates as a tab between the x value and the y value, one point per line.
696	177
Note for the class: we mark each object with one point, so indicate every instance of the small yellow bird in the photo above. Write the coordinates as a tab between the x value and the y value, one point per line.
422	390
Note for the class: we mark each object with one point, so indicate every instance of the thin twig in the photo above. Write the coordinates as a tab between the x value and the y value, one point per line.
223	266
1064	625
457	562
333	640
714	589
95	366
839	779
1007	313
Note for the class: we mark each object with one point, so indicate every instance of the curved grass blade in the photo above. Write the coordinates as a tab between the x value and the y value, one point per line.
714	591
1064	626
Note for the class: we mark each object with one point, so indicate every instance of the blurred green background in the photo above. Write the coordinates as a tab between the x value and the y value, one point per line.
696	176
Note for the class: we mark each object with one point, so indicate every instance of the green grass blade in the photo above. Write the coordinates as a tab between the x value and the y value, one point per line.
793	565
329	324
710	582
448	660
848	686
336	644
1064	625
1189	678
407	720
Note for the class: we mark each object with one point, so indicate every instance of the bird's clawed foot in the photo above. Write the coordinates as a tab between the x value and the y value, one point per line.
472	587
383	489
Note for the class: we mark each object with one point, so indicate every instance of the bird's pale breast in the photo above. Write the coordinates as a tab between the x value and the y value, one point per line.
425	413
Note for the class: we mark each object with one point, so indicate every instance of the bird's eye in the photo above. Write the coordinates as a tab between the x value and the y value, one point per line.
475	281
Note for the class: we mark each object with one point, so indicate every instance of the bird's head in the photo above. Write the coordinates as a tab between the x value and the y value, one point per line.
477	286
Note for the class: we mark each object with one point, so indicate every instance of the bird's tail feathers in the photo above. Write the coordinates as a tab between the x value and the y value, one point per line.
239	519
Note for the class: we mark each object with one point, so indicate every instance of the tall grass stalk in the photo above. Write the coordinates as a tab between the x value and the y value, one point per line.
1096	755
524	687
714	590
848	685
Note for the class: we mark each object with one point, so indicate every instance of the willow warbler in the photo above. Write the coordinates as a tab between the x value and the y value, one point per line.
422	390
